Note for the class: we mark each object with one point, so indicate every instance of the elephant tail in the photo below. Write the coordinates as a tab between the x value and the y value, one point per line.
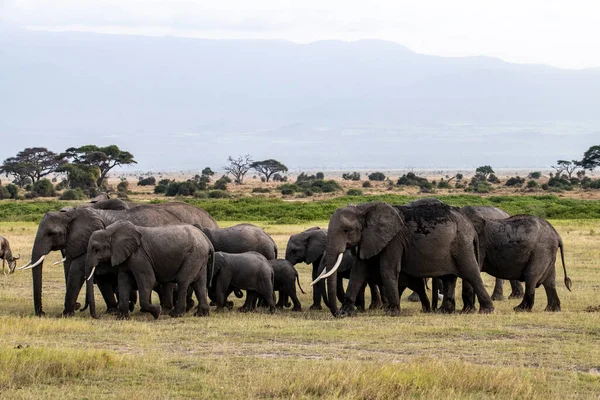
568	282
476	249
211	262
275	249
85	306
298	280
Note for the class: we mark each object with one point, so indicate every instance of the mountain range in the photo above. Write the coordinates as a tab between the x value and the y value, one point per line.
182	103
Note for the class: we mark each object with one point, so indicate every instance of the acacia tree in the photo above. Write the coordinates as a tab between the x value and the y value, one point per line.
591	158
103	158
268	167
565	166
238	167
485	171
33	163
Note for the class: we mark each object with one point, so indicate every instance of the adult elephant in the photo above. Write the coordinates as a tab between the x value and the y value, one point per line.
308	247
71	230
522	247
430	240
240	239
489	213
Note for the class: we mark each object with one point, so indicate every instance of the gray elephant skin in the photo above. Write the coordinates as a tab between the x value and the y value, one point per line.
285	280
172	253
70	231
308	247
240	239
7	256
523	248
430	240
248	271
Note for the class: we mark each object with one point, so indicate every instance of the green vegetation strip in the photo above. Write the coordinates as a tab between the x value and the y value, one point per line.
289	212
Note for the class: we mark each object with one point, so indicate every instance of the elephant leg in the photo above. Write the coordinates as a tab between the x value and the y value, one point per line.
189	300
498	293
449	287
468	297
516	290
528	297
358	276
360	298
533	275
418	285
319	291
201	291
294	296
553	300
340	288
74	283
251	300
414	297
124	288
469	272
267	294
437	288
146	281
105	285
375	296
220	295
282	299
165	294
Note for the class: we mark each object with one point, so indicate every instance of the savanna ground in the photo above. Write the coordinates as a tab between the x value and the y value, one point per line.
307	354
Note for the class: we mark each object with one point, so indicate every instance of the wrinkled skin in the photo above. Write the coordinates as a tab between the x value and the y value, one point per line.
242	238
6	256
308	247
522	248
248	271
424	241
285	280
69	231
490	213
157	255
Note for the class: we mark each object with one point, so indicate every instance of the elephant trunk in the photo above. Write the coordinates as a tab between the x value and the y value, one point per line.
90	267
333	259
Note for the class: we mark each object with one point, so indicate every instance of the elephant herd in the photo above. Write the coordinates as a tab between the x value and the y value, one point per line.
178	250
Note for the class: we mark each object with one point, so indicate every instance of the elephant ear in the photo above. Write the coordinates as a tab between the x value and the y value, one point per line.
83	223
125	239
315	245
381	223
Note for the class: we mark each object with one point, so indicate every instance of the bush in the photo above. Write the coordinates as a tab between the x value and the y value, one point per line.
4	193
377	176
444	185
221	183
535	175
480	187
308	192
31	195
560	183
187	188
493	179
43	188
366	184
354	192
261	190
289	188
13	190
354	176
150	181
218	194
72	194
588	183
411	179
515	181
159	189
459	177
201	194
123	187
532	184
320	175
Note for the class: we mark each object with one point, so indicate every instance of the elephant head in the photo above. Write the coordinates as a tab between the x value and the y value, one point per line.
113	245
67	231
370	226
307	246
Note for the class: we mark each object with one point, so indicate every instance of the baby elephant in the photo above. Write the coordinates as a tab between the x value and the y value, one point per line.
248	271
168	254
7	256
240	239
286	277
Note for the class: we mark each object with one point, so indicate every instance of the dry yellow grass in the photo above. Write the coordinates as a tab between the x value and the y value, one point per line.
309	354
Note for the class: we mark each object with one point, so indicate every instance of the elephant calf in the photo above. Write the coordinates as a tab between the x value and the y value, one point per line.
286	277
248	271
240	239
172	253
7	256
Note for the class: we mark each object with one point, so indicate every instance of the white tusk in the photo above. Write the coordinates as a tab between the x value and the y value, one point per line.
61	261
331	272
91	273
38	262
24	266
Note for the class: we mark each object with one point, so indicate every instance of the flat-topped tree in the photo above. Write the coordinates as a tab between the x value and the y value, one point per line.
591	158
33	163
268	168
566	166
104	158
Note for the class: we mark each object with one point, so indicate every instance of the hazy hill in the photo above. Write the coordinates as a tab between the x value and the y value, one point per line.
183	103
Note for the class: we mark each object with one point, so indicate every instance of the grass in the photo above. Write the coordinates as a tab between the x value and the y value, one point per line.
279	211
308	354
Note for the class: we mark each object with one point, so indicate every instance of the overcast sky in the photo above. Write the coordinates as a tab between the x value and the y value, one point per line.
563	33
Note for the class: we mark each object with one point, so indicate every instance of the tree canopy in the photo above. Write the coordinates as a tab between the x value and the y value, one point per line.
103	158
33	163
591	158
268	167
485	171
238	167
